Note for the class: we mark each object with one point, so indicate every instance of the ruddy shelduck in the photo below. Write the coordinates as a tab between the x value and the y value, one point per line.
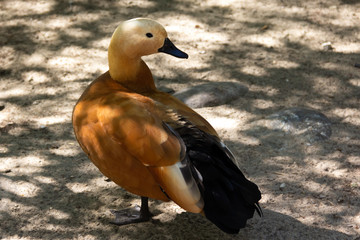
153	145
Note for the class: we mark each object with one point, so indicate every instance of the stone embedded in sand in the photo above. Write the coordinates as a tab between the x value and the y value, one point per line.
310	124
211	94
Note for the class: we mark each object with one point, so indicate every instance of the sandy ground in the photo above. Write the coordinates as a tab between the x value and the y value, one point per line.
51	50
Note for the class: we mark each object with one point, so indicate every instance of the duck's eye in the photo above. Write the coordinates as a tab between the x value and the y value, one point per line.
149	35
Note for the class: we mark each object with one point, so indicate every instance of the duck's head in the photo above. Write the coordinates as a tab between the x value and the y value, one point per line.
141	36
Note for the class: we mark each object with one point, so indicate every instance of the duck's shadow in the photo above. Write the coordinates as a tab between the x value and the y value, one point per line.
186	225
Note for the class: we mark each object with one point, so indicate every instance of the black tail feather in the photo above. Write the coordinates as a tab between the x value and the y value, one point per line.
230	199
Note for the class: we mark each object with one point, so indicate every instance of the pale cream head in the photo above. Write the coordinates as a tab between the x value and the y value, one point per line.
139	37
133	39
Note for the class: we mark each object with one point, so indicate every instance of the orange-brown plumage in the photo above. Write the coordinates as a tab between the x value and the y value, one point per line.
122	133
139	137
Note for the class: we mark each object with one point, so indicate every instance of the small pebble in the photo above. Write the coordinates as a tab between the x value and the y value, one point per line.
327	46
282	186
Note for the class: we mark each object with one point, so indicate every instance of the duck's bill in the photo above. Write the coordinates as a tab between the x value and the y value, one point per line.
171	49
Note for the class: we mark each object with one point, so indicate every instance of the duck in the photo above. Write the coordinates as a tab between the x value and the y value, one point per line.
153	145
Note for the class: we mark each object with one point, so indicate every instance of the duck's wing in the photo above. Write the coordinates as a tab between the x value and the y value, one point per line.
229	198
131	121
138	125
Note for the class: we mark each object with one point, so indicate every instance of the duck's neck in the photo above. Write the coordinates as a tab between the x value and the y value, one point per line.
133	73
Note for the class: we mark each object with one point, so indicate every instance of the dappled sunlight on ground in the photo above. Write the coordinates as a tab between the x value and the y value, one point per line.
51	50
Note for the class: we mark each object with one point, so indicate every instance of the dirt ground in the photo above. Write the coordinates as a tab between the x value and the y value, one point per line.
288	53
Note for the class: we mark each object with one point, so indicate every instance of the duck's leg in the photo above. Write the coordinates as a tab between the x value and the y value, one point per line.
132	215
